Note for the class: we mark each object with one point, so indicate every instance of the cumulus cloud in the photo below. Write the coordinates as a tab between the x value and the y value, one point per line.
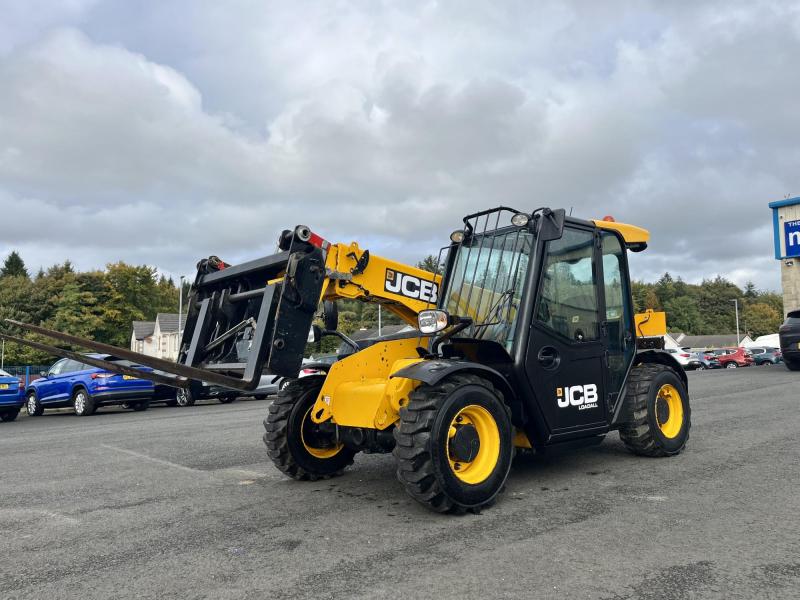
162	132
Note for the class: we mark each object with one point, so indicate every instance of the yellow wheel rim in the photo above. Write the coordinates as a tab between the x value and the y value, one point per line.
669	411
483	463
313	451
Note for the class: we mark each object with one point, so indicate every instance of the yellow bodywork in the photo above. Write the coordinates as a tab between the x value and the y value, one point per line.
374	283
630	233
651	324
359	390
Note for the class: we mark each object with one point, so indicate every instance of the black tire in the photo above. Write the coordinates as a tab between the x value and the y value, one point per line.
9	415
226	399
701	367
184	397
260	397
140	406
82	403
732	365
170	403
33	407
286	428
282	385
423	445
792	365
642	434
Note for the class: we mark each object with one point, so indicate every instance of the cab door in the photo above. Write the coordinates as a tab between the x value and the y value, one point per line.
618	320
565	361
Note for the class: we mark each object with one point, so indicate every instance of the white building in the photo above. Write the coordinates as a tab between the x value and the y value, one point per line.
157	338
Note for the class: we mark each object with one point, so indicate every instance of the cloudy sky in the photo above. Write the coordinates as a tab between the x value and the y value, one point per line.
159	132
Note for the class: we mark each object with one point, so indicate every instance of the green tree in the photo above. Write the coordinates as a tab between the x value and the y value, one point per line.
430	263
13	266
682	314
761	318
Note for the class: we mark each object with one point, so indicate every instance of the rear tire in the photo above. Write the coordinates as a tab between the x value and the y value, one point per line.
792	365
226	399
33	407
82	403
295	444
732	365
657	405
9	415
454	444
184	397
141	406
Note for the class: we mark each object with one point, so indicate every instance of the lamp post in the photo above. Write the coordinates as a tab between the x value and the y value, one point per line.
736	304
180	311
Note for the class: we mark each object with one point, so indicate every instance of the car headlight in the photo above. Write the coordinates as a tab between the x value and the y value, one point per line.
431	321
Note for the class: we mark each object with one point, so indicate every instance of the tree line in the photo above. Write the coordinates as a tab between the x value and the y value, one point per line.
102	304
708	308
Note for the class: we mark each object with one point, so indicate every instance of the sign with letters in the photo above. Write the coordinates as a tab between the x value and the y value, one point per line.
791	233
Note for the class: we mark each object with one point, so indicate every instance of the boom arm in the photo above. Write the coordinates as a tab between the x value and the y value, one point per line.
254	318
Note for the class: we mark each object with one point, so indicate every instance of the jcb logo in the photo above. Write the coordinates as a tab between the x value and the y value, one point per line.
409	286
582	396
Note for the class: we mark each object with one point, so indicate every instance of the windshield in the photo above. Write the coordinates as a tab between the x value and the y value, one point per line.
4	374
486	283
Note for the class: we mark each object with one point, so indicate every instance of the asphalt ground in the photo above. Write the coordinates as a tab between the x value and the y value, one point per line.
183	503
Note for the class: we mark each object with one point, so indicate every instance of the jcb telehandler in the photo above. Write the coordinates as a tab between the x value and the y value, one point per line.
528	340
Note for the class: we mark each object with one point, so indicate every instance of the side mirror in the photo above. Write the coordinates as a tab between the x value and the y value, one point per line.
330	315
314	334
552	226
43	374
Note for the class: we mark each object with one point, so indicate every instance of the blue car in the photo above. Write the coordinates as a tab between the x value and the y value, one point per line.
11	396
86	388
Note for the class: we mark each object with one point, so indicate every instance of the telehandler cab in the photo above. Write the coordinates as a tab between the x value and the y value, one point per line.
528	340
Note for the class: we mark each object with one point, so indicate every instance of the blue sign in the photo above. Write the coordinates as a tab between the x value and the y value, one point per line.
791	232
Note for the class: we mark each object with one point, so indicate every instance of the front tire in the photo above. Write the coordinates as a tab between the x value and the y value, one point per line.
226	399
731	365
141	406
33	407
659	414
82	403
298	446
184	397
454	444
9	415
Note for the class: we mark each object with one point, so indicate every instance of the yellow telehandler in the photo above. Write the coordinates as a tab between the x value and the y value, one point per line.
527	340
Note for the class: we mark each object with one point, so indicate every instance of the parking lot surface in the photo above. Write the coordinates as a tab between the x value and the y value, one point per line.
183	503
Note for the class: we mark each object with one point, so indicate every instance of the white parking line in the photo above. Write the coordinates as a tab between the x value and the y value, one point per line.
151	459
27	513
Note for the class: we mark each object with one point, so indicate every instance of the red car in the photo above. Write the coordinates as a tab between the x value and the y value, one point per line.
733	358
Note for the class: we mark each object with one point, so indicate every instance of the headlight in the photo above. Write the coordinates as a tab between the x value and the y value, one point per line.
431	321
520	219
457	236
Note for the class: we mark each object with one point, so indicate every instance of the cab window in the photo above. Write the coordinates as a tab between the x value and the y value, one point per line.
568	300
